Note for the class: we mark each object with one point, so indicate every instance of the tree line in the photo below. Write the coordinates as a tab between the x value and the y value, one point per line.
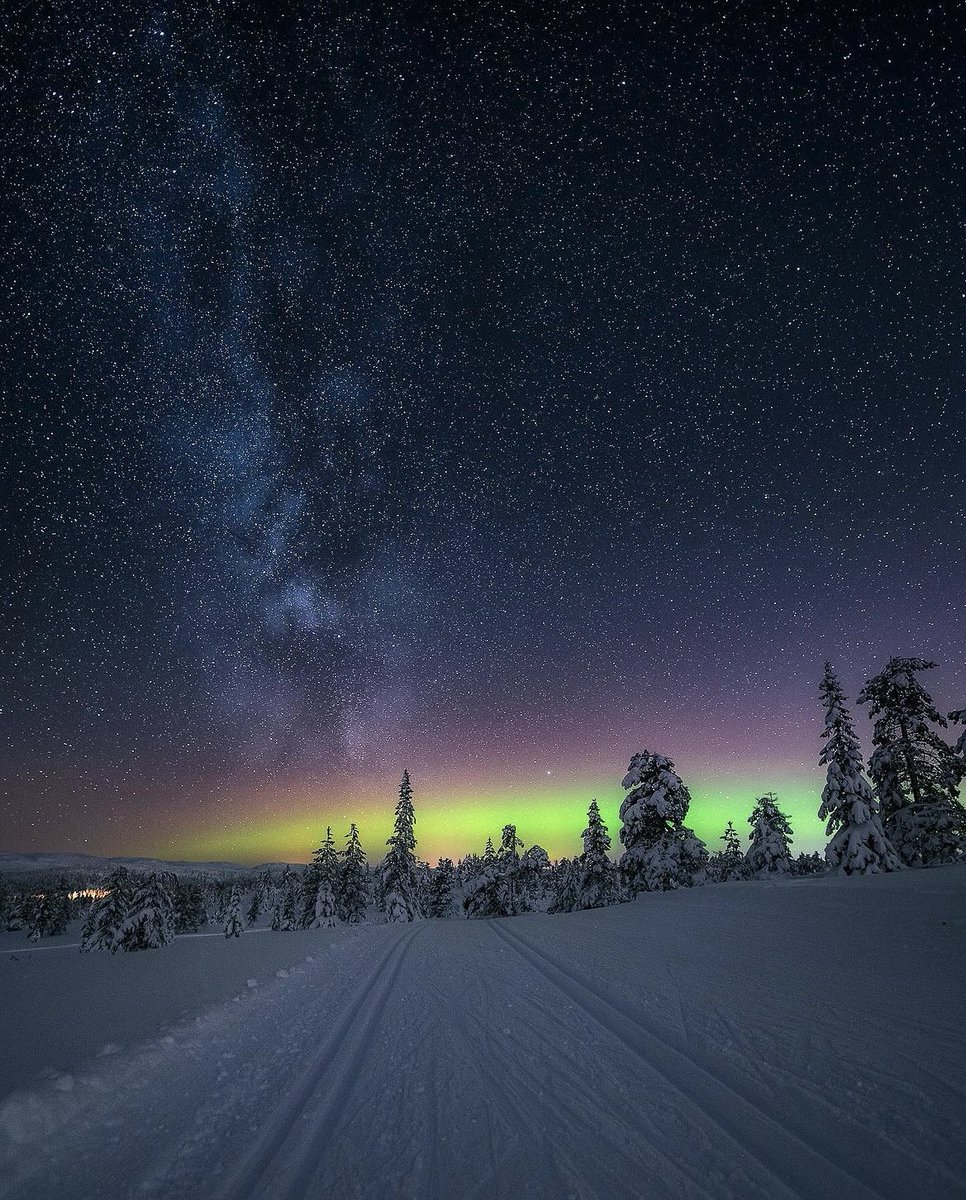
906	813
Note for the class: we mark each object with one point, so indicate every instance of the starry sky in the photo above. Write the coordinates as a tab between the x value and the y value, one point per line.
490	390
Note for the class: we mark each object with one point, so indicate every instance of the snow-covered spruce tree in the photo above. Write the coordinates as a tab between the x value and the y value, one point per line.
660	851
535	873
566	892
352	896
915	773
442	882
498	891
858	843
293	902
35	910
149	921
233	922
51	911
400	876
34	917
484	892
771	836
325	861
278	908
729	864
468	868
190	912
809	864
959	718
255	908
597	884
102	927
515	898
221	895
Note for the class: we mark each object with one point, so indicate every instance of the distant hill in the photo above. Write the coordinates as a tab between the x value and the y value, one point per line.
14	863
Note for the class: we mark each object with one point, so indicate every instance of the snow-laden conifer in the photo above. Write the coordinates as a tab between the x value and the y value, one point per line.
254	908
809	864
34	917
566	891
771	836
858	845
400	876
468	867
188	901
958	717
102	926
289	909
729	864
915	772
535	874
442	882
515	898
149	921
325	861
597	884
233	923
276	903
660	851
352	896
498	889
483	893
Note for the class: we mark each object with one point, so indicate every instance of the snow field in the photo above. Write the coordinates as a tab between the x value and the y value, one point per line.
792	1039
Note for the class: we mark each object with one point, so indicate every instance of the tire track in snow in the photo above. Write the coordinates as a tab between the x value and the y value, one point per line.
796	1167
291	1149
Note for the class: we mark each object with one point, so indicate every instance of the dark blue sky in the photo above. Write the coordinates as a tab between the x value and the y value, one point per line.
471	385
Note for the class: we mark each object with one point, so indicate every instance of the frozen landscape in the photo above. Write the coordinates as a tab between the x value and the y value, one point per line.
786	1038
561	403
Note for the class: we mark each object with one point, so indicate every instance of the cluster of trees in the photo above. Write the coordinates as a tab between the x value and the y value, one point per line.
43	911
909	815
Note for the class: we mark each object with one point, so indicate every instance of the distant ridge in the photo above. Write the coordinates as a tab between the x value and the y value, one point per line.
14	862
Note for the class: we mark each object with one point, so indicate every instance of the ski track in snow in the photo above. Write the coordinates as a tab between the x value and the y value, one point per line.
792	1163
525	1059
285	1157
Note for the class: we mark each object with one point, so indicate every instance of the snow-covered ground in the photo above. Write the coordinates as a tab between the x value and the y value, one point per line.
800	1039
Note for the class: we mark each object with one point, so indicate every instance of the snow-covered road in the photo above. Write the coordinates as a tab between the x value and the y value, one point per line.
803	1040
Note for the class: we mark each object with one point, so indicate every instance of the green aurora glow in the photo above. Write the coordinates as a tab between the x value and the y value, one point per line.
455	824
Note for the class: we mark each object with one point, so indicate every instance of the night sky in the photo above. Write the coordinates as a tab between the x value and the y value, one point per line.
493	391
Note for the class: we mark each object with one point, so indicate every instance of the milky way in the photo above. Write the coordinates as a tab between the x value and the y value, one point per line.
485	390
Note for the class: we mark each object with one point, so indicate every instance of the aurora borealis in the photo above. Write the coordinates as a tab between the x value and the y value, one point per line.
488	391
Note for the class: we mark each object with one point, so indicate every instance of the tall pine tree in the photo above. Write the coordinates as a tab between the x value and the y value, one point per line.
149	921
353	892
916	774
596	875
325	876
102	928
660	851
566	896
514	893
233	924
498	889
400	875
730	863
771	836
858	843
442	881
959	718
